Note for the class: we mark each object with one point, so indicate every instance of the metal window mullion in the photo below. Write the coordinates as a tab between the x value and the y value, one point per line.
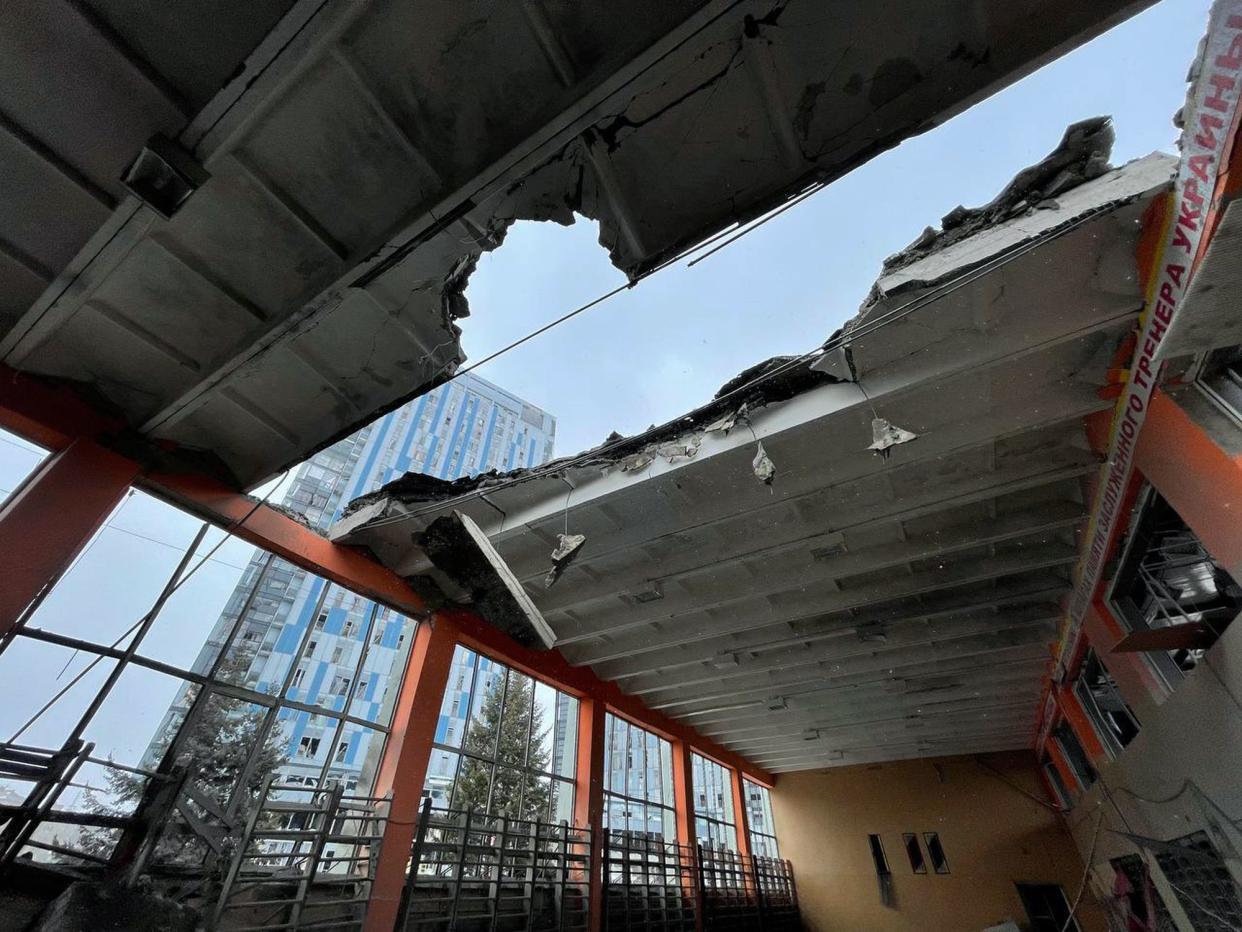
216	687
500	727
461	751
143	628
530	732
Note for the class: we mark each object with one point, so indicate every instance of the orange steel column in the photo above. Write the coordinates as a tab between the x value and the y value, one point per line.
403	768
589	798
1196	476
50	518
740	817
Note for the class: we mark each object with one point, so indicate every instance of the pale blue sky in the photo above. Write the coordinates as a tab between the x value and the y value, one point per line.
645	356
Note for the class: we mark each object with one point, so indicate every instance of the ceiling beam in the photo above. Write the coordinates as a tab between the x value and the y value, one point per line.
678	630
800	682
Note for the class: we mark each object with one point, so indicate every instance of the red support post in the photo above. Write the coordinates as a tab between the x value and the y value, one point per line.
47	521
589	799
403	768
740	816
1198	477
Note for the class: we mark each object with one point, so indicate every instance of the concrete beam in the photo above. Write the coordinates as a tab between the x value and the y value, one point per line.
750	614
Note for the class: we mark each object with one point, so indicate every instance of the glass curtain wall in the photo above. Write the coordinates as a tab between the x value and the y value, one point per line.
759	820
638	782
505	743
169	642
714	822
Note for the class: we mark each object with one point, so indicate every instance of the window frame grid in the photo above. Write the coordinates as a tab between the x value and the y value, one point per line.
666	809
568	784
748	786
729	831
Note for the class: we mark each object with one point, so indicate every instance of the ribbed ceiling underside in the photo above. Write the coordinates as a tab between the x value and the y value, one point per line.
860	608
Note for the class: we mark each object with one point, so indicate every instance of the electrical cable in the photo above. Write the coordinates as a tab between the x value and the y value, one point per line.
844	338
1013	786
177	585
1082	886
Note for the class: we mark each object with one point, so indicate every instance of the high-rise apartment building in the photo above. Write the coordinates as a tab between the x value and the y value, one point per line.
321	645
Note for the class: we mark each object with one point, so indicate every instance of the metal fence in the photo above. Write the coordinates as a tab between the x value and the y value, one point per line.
649	883
306	860
470	871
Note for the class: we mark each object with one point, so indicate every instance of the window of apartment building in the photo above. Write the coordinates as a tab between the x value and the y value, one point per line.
308	747
513	753
1171	594
714	821
759	820
1112	718
638	782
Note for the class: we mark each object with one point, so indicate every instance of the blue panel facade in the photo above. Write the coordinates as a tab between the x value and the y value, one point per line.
458	429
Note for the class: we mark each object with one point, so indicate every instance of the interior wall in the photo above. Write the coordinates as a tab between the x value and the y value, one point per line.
1180	774
993	836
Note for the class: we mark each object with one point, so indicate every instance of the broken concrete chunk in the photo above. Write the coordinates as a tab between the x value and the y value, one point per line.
567	547
470	569
885	435
727	422
679	449
1082	155
836	363
763	466
636	461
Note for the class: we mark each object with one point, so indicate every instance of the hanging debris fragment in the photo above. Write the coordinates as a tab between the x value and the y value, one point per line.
885	436
763	466
726	422
567	547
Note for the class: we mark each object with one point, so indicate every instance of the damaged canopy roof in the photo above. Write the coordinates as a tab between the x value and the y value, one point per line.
357	158
756	569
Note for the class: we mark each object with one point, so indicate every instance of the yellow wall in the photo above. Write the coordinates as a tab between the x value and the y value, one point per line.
993	836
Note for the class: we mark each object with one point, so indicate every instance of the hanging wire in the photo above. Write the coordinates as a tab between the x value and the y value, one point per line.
228	531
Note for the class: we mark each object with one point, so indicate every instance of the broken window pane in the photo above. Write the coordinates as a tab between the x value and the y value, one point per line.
1175	598
1114	722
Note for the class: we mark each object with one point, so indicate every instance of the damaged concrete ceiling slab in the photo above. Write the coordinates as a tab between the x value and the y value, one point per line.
357	157
884	580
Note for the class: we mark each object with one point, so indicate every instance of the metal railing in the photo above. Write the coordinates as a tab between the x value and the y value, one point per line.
474	871
305	860
649	883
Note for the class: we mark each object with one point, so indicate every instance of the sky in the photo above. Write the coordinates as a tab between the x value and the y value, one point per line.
643	357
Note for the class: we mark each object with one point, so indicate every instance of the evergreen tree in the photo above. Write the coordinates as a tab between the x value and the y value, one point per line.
218	747
503	730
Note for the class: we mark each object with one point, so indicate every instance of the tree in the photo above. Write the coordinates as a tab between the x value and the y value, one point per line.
504	731
219	747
